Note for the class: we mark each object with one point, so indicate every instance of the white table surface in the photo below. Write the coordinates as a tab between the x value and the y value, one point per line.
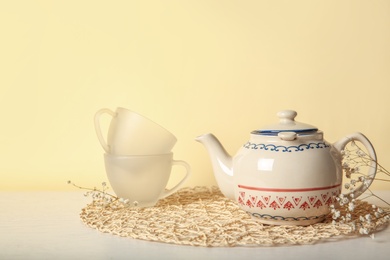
46	225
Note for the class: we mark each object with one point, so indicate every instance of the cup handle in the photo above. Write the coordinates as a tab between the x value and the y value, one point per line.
166	193
340	145
98	130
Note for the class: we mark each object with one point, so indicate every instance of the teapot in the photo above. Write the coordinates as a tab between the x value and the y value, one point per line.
286	174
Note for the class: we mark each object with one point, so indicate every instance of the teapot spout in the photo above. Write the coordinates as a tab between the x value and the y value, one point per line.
222	163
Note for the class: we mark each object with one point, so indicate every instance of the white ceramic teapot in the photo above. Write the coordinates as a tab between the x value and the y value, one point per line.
286	173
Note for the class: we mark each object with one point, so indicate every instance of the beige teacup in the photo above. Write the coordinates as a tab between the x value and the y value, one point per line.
130	133
142	180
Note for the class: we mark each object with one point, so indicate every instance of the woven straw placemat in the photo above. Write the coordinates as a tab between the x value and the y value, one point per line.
202	216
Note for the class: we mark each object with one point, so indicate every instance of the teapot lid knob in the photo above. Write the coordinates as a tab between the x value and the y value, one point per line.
287	116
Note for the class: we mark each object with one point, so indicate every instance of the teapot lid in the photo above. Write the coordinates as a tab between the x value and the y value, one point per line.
286	124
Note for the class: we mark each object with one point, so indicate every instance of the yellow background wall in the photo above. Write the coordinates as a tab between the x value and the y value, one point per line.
194	67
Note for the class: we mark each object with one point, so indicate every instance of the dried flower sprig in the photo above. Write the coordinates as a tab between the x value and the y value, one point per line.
98	195
102	198
356	162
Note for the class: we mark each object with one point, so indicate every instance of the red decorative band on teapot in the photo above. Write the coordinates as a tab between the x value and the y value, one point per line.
287	205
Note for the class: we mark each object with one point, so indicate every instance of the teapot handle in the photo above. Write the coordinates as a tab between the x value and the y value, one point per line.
98	130
340	145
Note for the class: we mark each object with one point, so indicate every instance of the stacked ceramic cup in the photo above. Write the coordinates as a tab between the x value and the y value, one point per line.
138	158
